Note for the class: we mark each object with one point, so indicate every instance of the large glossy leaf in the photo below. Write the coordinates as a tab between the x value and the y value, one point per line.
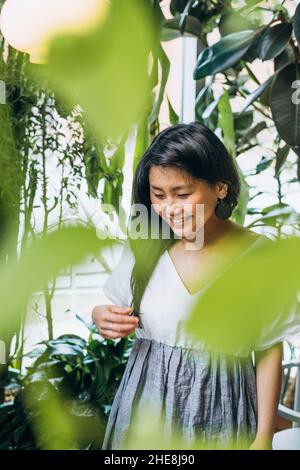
285	105
296	23
274	40
199	9
285	57
252	133
256	93
106	72
171	28
253	51
224	54
233	22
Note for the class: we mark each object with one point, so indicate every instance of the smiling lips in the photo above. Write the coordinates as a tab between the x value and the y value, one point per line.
180	221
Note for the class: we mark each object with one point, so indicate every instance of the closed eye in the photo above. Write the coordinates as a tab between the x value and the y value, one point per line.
182	196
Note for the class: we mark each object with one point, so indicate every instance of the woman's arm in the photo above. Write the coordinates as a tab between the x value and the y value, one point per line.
268	384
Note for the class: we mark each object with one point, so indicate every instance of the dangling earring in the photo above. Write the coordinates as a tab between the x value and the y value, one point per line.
223	209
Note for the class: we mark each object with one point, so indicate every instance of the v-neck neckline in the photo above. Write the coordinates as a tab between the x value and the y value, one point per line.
190	294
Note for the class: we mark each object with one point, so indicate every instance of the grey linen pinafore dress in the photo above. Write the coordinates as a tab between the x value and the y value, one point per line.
206	395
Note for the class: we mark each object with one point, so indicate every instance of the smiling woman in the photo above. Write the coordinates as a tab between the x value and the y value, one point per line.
210	397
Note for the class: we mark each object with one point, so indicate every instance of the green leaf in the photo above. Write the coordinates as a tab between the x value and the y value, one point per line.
165	68
256	93
224	54
263	164
105	71
240	210
276	216
296	23
226	123
44	259
142	141
242	123
281	157
10	171
171	29
65	349
274	40
210	109
233	22
285	104
253	132
203	101
252	2
285	57
173	117
217	320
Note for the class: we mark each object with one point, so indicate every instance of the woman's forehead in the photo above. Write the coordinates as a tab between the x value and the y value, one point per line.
169	176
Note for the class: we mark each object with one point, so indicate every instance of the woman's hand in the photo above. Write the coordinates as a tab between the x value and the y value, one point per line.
114	322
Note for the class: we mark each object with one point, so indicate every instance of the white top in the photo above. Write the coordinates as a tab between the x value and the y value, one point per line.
166	303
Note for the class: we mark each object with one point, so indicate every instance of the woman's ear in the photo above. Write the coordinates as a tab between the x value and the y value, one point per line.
222	189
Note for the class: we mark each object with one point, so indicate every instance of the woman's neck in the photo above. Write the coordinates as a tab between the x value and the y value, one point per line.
215	231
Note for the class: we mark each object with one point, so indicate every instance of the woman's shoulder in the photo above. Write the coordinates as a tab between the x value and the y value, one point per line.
126	259
242	231
117	287
245	237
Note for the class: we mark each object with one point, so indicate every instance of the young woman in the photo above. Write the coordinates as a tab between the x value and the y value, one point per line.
154	286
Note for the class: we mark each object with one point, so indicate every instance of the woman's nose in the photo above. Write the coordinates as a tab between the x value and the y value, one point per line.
173	210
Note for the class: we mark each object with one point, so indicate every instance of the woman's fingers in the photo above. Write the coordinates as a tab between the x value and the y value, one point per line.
119	327
114	321
119	318
117	309
113	334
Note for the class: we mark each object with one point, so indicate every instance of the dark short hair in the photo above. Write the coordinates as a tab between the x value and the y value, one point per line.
195	149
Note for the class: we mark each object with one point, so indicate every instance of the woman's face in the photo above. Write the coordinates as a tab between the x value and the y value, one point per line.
175	195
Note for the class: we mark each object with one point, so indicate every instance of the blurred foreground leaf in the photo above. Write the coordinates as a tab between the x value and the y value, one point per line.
105	71
256	290
148	431
44	259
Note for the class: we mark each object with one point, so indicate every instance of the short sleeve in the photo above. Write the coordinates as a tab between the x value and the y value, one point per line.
117	286
283	328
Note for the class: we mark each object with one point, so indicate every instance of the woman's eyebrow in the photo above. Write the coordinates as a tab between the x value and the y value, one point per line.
175	188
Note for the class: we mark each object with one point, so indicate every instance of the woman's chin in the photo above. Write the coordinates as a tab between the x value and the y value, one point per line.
183	232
